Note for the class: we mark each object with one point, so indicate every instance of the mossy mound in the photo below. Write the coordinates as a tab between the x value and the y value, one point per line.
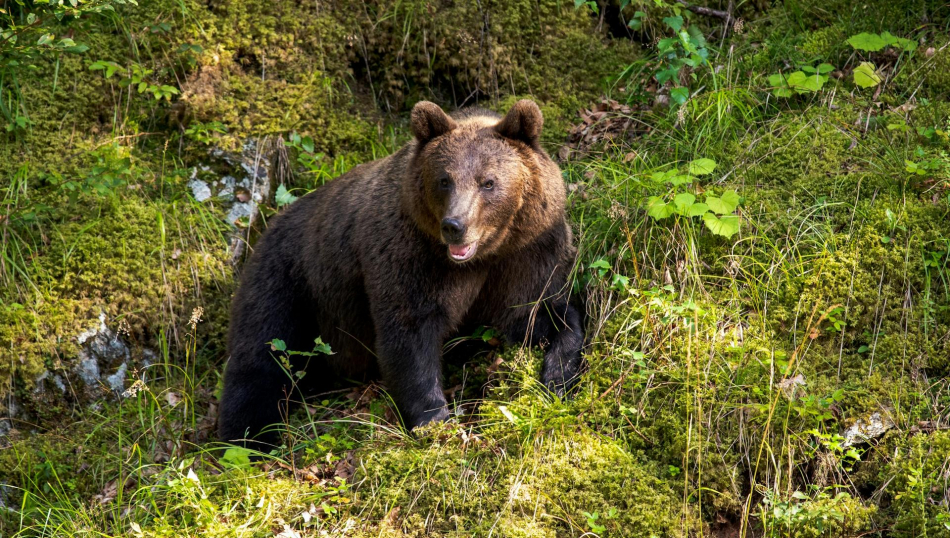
541	487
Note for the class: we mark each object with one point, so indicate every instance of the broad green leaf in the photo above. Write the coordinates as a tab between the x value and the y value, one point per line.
659	209
679	95
806	83
725	204
889	38
796	78
779	85
697	209
681	179
867	42
726	226
236	457
702	167
663	177
777	80
674	22
696	37
319	346
908	45
683	201
601	265
77	49
665	44
825	68
619	282
665	75
866	76
278	345
283	196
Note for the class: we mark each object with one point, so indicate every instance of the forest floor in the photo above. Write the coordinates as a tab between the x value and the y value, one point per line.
762	209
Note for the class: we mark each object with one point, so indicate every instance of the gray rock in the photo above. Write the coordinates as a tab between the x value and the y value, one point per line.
866	429
12	410
199	189
101	348
60	384
116	381
5	491
239	210
88	371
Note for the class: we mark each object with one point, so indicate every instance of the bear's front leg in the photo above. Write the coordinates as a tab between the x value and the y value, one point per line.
556	325
562	360
411	365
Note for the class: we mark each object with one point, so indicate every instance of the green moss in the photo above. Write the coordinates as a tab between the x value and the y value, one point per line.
135	261
927	75
917	493
459	489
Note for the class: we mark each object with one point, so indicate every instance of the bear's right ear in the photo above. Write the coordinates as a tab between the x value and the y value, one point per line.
429	121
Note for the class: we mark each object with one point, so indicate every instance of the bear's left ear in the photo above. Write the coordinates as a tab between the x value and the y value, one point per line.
428	121
523	122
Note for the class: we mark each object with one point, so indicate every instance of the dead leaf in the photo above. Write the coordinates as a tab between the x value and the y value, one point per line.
450	392
287	533
107	494
392	518
494	365
173	398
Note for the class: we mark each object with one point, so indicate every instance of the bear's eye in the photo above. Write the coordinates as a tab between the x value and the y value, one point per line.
488	185
444	182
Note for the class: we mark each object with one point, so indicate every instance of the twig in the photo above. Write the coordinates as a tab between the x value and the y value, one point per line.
726	16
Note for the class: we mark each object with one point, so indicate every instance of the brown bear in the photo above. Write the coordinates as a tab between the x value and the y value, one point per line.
464	225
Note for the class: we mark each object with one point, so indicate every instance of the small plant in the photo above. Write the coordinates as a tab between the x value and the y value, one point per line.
807	79
836	320
923	166
31	31
716	211
594	520
876	42
601	268
686	49
306	156
676	57
204	133
136	76
319	348
283	196
866	74
113	171
822	511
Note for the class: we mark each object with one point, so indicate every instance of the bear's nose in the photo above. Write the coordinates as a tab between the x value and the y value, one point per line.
452	230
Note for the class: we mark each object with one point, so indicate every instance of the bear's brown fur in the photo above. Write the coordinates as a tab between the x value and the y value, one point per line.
464	225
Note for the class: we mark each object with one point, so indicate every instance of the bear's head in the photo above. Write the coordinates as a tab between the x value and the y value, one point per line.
479	183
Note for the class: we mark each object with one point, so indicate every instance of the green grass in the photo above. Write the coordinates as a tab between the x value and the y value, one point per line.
722	373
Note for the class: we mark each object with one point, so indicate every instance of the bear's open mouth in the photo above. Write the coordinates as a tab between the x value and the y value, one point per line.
460	253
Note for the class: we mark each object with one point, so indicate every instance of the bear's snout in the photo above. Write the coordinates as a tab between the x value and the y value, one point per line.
453	230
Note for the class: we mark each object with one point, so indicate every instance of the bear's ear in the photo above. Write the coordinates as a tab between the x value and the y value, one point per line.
429	121
523	123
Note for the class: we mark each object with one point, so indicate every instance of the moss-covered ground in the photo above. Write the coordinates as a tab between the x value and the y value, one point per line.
725	374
